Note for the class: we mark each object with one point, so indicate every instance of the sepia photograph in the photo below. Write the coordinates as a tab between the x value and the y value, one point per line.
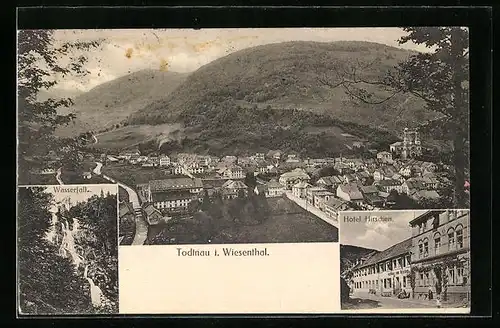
405	259
67	250
247	135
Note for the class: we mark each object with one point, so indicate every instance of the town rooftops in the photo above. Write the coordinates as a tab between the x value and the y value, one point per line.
425	194
175	183
414	184
391	252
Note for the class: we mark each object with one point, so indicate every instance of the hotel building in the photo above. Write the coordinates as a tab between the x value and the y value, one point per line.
171	194
441	254
385	273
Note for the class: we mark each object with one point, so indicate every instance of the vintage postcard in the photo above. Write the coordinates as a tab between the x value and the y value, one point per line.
237	149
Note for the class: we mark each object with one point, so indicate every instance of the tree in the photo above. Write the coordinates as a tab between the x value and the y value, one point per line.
39	61
250	180
440	78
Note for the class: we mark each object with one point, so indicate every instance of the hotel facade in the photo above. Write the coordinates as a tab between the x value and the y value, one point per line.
386	273
441	254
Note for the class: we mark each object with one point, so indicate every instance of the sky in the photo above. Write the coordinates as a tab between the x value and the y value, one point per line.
376	235
185	50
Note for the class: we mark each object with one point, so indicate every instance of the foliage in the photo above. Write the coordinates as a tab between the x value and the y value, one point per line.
98	240
38	65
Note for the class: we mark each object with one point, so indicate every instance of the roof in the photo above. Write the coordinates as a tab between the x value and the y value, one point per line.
429	194
414	184
329	180
388	182
274	184
373	198
295	174
424	215
397	143
150	209
234	184
213	183
368	189
165	196
391	252
335	203
174	183
352	190
125	208
301	184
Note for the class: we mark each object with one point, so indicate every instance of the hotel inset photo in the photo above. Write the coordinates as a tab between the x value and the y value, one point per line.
405	259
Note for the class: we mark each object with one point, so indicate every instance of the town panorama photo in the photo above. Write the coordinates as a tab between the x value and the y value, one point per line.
247	135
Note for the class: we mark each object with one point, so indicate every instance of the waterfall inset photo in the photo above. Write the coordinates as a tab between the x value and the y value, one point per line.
67	250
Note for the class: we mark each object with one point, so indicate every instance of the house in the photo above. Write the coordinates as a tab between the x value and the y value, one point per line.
177	170
420	195
275	189
311	192
405	171
396	147
232	171
291	178
411	185
334	205
389	185
292	158
164	160
147	163
172	194
299	189
430	181
384	172
274	154
350	192
371	195
328	182
153	215
319	198
230	159
259	156
212	186
125	210
142	159
233	188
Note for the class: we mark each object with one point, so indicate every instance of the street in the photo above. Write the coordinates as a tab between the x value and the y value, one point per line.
308	207
363	300
141	228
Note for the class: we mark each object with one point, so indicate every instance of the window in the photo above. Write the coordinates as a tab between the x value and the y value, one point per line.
459	237
451	239
421	280
437	243
420	250
424	226
404	282
460	274
451	275
426	247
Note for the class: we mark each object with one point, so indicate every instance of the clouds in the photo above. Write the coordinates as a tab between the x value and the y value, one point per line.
126	51
391	228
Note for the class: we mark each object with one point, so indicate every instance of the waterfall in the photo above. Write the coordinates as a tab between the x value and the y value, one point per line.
67	249
51	235
95	291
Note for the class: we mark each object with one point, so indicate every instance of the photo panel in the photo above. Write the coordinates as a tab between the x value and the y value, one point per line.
405	261
67	249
